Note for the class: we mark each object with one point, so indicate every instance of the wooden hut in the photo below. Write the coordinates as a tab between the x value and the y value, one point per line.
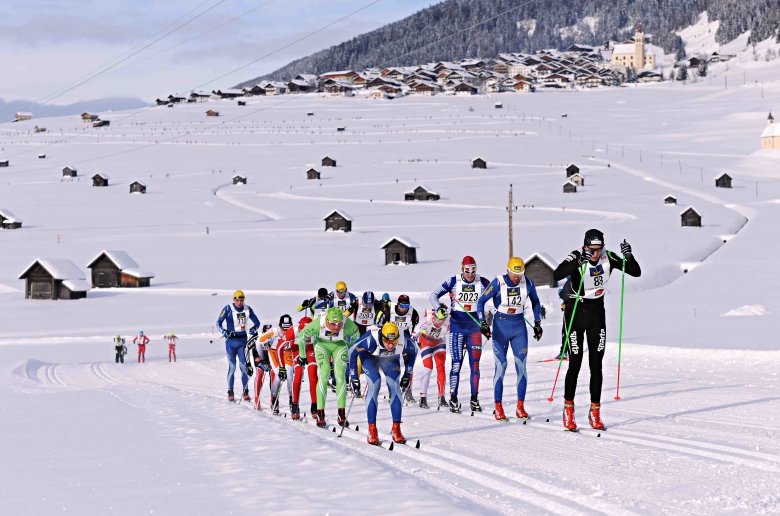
117	269
723	181
8	220
478	163
101	123
421	194
211	112
539	267
88	117
242	103
69	172
338	220
569	187
572	169
577	180
137	187
55	278
312	174
340	130
400	251
41	156
5	163
239	180
690	217
670	199
327	161
498	105
100	180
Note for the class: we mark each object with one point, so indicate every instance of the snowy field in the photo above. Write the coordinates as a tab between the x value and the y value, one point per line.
696	429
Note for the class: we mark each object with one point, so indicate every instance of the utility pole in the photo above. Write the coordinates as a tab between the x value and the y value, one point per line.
510	208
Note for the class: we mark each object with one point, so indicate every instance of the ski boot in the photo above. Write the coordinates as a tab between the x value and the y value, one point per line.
231	397
568	416
373	437
594	416
275	405
320	416
295	412
408	397
520	412
499	412
398	437
342	418
562	355
442	401
313	410
423	402
475	404
245	395
332	384
454	405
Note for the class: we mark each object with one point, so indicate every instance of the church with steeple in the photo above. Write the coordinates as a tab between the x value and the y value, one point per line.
632	53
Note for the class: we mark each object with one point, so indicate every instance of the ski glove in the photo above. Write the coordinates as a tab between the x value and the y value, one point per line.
249	370
354	384
574	256
226	334
265	365
252	331
586	255
283	374
306	303
538	330
301	360
625	248
405	381
484	328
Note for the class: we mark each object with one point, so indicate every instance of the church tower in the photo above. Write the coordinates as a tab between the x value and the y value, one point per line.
639	47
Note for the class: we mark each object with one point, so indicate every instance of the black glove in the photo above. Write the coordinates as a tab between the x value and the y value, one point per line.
484	328
625	248
302	360
249	370
265	365
227	334
283	374
538	330
306	304
404	381
574	256
586	255
354	384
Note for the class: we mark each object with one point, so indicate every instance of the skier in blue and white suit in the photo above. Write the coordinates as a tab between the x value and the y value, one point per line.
510	294
390	351
464	330
234	323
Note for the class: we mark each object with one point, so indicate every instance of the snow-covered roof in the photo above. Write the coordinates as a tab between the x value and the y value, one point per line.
545	258
771	130
124	262
344	214
405	241
569	183
137	182
690	208
101	174
624	49
424	188
61	269
76	285
722	174
8	216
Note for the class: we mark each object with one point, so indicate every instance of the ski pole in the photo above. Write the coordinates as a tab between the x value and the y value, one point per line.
568	330
349	410
620	334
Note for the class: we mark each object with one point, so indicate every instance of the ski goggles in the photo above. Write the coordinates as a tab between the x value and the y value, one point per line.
341	291
240	298
469	269
404	306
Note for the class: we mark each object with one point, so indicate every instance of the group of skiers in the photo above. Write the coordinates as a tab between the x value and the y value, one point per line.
141	340
340	336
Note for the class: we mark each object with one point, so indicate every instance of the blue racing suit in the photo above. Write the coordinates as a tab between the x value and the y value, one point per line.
511	302
235	331
374	357
464	332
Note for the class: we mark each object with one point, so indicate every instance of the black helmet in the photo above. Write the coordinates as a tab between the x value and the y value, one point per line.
403	299
322	293
285	321
267	327
594	237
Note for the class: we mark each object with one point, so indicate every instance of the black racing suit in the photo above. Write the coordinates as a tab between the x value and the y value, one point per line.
590	320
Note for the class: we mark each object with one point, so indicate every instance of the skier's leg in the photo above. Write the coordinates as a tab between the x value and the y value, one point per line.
230	351
174	353
576	342
311	370
519	343
242	361
597	339
426	353
391	367
500	347
475	353
456	354
440	357
372	388
323	355
340	364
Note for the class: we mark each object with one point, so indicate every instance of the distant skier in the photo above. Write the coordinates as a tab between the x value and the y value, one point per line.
318	305
332	335
512	293
406	318
234	322
342	298
141	340
431	337
589	318
392	353
119	349
365	314
172	338
464	291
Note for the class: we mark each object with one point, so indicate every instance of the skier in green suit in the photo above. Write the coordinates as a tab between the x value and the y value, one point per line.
332	335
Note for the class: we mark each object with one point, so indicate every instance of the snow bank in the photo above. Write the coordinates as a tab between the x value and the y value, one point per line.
748	310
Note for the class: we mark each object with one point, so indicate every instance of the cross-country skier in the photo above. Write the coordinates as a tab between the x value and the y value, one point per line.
236	318
512	293
407	319
141	340
431	338
273	341
316	306
365	314
589	319
120	349
342	298
172	338
464	290
309	362
332	335
392	353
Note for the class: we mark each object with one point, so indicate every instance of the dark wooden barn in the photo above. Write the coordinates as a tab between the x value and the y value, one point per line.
572	169
312	174
56	278
569	187
691	218
101	123
242	103
400	251
327	161
239	180
670	199
539	267
8	220
421	194
69	172
211	112
338	221
117	269
4	163
478	163
137	187
100	180
723	181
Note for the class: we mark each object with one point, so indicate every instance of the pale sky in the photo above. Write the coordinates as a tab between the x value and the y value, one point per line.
49	45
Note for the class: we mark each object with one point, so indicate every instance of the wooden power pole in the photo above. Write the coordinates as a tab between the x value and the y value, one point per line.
510	208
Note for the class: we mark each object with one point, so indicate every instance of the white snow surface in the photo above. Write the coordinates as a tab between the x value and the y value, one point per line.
696	429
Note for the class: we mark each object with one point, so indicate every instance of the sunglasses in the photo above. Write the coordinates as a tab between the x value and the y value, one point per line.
403	305
594	249
342	291
469	270
238	298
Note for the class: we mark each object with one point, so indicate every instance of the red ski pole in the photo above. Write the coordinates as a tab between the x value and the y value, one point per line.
568	331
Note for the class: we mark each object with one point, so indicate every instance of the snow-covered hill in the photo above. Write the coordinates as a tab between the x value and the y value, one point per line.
695	430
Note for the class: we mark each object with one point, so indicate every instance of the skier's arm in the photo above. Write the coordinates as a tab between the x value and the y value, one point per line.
537	306
221	319
568	267
255	321
351	332
410	355
632	266
415	318
311	330
490	292
445	288
358	351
